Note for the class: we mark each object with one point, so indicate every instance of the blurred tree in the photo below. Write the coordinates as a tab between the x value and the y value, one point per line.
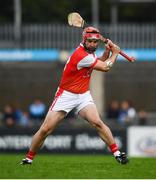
6	11
139	13
52	11
104	10
48	11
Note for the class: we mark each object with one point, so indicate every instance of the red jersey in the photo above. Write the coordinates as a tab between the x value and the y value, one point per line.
77	71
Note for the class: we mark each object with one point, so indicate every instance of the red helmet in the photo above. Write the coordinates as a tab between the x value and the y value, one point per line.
90	33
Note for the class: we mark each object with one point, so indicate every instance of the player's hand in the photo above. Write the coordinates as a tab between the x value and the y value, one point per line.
133	59
109	44
112	46
115	49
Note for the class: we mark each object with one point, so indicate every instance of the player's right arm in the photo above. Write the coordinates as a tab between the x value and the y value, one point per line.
108	63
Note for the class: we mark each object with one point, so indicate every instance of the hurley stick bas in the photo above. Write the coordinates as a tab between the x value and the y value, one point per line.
75	19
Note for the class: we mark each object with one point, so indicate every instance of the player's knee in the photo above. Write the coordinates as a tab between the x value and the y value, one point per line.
45	130
97	124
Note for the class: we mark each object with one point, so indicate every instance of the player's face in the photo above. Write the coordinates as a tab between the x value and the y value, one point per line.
91	45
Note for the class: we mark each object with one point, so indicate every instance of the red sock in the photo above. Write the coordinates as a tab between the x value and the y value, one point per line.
113	148
31	155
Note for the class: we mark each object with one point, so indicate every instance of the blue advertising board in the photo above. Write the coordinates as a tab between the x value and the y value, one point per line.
54	54
29	55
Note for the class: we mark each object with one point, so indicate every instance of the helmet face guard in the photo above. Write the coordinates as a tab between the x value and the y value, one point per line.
91	36
90	33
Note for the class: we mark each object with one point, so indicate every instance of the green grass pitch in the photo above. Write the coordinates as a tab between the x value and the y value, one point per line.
47	166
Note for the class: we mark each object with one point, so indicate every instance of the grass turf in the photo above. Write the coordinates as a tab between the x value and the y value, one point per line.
76	167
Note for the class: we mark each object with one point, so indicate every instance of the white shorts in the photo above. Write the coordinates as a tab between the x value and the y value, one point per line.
66	101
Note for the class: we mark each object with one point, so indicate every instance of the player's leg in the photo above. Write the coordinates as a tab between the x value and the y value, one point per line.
91	114
63	103
51	121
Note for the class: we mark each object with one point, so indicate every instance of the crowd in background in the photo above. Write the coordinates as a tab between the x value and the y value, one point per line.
122	113
125	114
12	116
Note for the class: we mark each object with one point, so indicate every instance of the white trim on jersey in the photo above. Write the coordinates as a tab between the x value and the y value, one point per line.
87	61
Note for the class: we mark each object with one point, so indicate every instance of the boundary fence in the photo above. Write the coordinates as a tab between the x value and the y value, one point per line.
63	37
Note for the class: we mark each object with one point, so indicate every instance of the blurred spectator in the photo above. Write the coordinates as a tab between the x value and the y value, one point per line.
37	110
17	113
25	120
142	117
113	110
131	111
127	113
9	118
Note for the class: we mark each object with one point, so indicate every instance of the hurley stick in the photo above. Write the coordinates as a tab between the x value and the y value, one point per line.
74	19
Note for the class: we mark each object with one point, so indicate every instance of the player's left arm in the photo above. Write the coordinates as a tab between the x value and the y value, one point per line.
108	63
107	51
